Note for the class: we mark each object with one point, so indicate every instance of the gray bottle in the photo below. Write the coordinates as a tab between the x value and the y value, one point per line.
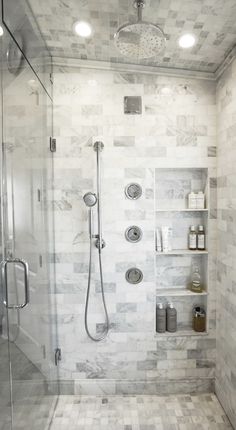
160	318
171	318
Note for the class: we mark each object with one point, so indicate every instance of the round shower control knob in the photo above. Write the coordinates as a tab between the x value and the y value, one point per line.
134	275
133	234
133	191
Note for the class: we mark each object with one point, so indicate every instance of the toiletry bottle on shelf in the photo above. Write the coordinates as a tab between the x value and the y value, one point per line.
171	318
192	239
196	285
200	200
201	238
158	241
192	200
160	318
165	238
199	319
170	238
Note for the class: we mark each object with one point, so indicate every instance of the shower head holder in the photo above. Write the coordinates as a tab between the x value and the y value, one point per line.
139	4
98	146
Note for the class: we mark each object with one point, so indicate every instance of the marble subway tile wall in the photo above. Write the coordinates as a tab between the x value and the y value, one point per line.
177	128
226	285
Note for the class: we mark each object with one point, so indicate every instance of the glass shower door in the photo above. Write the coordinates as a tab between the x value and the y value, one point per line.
28	241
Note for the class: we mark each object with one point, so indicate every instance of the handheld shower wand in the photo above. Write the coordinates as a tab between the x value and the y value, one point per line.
91	199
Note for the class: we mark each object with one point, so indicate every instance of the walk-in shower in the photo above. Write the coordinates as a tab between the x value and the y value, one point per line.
117	187
92	199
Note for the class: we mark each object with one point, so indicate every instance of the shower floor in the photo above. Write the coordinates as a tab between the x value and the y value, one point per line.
182	412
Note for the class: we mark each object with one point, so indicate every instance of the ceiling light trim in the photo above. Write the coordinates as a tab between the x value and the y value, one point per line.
230	57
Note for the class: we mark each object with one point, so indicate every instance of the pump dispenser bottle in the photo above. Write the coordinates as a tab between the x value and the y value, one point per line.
160	318
171	318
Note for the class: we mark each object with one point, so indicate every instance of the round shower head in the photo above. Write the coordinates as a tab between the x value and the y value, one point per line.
140	40
90	199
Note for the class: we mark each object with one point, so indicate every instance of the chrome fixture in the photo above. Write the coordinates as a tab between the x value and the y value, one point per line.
133	234
57	356
133	105
92	199
133	191
4	265
134	276
140	40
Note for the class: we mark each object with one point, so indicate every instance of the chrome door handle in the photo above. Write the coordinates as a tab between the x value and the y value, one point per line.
5	285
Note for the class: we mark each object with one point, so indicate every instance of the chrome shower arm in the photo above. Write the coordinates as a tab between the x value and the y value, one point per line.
139	4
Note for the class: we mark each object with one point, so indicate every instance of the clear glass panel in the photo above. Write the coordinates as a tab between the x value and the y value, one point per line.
5	393
5	387
18	18
28	235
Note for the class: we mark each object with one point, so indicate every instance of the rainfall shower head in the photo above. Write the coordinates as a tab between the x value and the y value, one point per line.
90	199
140	40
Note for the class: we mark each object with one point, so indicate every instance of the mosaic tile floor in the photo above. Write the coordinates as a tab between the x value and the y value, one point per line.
183	412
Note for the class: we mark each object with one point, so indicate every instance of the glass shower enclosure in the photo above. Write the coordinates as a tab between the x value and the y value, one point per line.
28	335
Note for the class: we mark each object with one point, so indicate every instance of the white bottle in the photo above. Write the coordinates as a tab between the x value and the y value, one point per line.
170	238
192	200
165	238
158	241
200	199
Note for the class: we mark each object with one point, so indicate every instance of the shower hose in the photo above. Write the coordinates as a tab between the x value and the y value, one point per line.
105	332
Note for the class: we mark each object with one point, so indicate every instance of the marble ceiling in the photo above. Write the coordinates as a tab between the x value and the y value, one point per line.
212	21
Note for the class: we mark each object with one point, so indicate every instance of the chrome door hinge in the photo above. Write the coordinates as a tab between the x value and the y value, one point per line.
40	261
39	195
51	78
53	144
58	356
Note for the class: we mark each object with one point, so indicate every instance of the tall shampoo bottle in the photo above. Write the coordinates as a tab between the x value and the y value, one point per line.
160	318
171	318
192	239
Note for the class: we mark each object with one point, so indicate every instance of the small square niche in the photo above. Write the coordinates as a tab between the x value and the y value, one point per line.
133	105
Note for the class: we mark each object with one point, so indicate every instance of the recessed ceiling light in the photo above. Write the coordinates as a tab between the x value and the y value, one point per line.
92	82
82	28
1	31
187	41
166	91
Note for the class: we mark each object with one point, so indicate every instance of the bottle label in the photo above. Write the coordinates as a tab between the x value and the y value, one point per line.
201	241
192	241
200	201
192	202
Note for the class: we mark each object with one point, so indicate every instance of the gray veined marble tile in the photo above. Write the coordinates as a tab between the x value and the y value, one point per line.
126	307
124	141
135	149
135	172
91	110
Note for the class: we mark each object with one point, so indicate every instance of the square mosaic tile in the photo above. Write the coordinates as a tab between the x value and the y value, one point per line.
182	412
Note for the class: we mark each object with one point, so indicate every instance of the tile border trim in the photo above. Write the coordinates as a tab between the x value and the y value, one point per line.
129	68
